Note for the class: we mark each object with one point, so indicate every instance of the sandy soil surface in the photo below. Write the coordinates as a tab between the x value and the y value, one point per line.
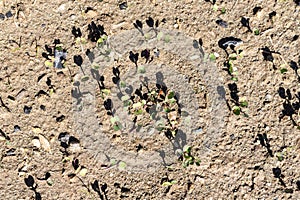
234	70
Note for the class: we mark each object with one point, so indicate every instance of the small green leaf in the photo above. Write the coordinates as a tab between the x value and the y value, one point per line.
122	84
283	70
215	7
279	156
126	103
141	69
116	127
171	94
167	183
223	10
160	35
105	91
122	165
138	112
50	182
212	57
96	67
167	38
125	98
236	110
256	31
100	41
137	105
234	78
233	56
48	63
243	102
113	161
187	149
114	119
51	92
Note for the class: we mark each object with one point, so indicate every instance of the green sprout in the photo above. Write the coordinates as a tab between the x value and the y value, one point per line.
223	10
243	102
236	110
169	183
115	121
212	57
102	40
187	157
256	31
167	38
283	70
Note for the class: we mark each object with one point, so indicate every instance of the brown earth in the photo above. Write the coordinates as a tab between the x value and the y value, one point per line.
256	156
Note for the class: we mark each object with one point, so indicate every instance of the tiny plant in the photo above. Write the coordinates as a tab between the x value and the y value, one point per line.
187	157
256	31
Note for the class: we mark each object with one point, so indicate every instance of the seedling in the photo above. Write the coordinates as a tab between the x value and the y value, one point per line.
30	183
55	55
212	57
169	183
245	22
150	103
151	24
283	70
256	31
95	32
187	157
139	26
115	121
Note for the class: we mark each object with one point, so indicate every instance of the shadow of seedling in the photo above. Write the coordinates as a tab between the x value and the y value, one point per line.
134	57
78	61
66	140
101	191
212	2
289	108
268	55
139	26
55	55
79	170
278	174
153	25
264	141
30	183
150	22
198	45
76	93
295	67
245	22
231	42
238	103
95	32
3	105
100	81
76	32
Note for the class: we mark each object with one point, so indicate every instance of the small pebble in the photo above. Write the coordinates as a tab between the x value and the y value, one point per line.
267	128
268	98
61	8
36	143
